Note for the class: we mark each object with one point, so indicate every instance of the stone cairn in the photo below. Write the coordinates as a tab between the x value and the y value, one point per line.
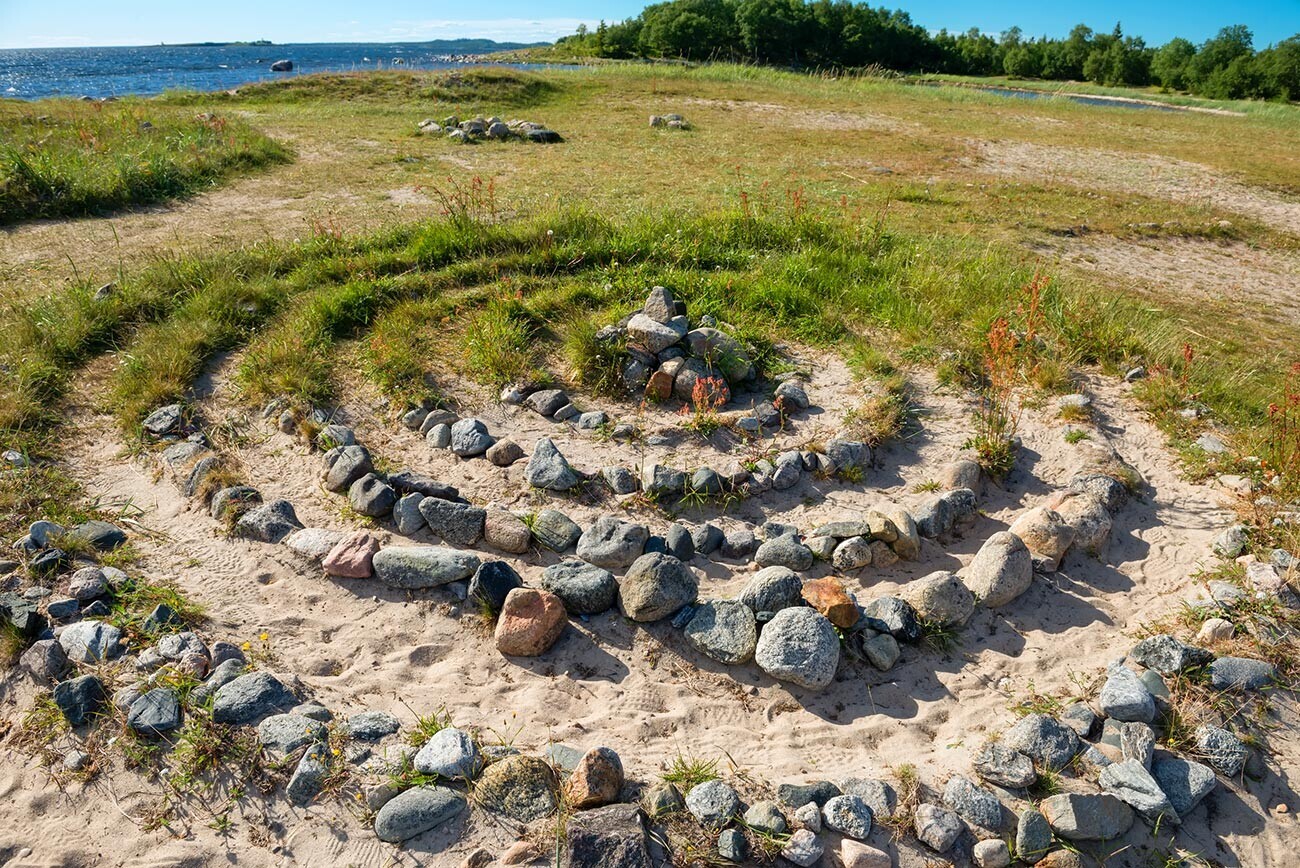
489	129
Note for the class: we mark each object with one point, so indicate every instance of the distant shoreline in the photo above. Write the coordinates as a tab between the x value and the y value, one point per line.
464	45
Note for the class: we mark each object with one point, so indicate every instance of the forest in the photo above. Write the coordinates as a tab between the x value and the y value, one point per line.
838	34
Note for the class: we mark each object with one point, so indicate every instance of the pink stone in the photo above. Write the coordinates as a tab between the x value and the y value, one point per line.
351	557
855	854
530	622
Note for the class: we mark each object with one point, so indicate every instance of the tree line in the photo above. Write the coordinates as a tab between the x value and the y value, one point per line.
839	34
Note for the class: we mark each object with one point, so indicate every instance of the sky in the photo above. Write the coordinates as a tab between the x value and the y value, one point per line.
50	23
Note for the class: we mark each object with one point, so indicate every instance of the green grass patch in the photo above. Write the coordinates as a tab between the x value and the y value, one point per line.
65	158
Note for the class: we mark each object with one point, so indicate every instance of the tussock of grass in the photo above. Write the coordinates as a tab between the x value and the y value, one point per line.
62	158
687	772
499	343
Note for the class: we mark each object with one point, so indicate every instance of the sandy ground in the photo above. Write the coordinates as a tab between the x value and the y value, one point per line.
355	645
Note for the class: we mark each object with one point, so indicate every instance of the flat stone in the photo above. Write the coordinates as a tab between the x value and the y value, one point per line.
724	630
456	523
269	523
784	551
372	725
286	733
817	793
91	641
893	616
416	811
416	567
249	698
79	698
999	764
556	531
312	543
613	836
1185	782
1168	655
1241	674
1087	817
936	827
1130	782
449	753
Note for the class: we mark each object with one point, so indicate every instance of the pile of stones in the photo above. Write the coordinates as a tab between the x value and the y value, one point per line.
490	129
669	122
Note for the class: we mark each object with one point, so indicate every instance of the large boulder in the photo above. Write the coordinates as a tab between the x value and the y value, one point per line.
612	543
799	646
416	567
772	589
1087	816
1001	570
607	837
1045	533
656	586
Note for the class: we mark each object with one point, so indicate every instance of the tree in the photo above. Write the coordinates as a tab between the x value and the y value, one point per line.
1217	53
1171	64
772	31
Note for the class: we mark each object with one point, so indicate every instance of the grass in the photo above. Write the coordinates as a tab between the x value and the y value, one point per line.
66	158
690	771
134	599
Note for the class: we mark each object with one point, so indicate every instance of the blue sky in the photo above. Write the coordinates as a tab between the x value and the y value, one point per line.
44	23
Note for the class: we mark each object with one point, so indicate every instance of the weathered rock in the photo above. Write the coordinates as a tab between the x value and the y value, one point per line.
766	817
936	827
91	641
1033	835
1167	655
285	733
79	698
1125	697
269	523
1130	782
1043	739
87	583
371	496
1087	817
585	589
523	788
649	335
817	793
470	437
609	837
353	557
449	753
352	463
416	811
1087	516
612	543
44	661
849	457
1001	570
828	596
941	598
664	799
1186	783
855	854
312	543
1045	533
556	531
660	305
439	436
660	480
722	351
249	698
656	586
232	502
999	764
1137	742
1221	749
893	616
310	775
1241	674
974	804
714	803
548	469
849	815
506	531
738	543
962	473
772	589
852	554
991	854
880	649
619	479
372	725
803	849
596	780
164	420
99	535
800	646
531	621
784	551
724	630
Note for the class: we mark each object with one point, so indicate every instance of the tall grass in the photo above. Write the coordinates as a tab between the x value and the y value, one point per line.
61	158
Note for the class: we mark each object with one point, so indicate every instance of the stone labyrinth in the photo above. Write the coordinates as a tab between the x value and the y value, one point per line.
722	533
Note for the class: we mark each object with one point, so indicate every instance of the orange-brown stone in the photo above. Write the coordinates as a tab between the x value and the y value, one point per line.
829	597
530	622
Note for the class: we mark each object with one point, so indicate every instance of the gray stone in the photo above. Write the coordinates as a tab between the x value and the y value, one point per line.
974	804
934	517
79	698
416	811
406	513
592	420
176	645
999	764
584	588
660	305
880	649
456	523
313	543
222	674
852	554
415	567
309	778
612	836
732	845
1033	835
849	815
1137	742
45	661
660	480
232	502
822	547
656	586
1001	570
503	453
439	436
1125	697
556	531
714	803
1043	739
523	788
849	457
738	543
164	420
612	543
414	419
941	598
91	641
792	395
817	793
450	753
371	496
893	616
799	646
87	584
991	854
63	608
249	698
766	818
313	711
1186	783
724	630
878	795
649	335
1130	782
352	463
335	435
784	551
286	733
1232	541
372	725
548	469
470	437
664	799
803	849
1080	718
936	827
772	589
269	523
707	539
1221	749
99	535
619	479
491	583
1087	817
1168	655
1241	673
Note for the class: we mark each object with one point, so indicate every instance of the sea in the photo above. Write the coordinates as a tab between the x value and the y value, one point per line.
36	73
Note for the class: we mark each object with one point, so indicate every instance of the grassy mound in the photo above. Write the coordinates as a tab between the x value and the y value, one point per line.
62	158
